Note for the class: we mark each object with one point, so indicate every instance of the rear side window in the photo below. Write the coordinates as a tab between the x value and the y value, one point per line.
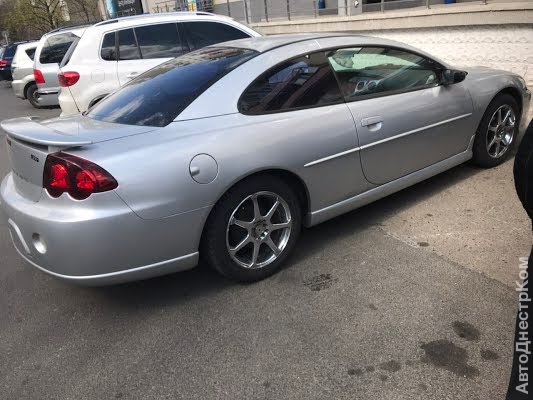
127	45
159	95
55	47
109	51
30	53
159	41
201	34
306	81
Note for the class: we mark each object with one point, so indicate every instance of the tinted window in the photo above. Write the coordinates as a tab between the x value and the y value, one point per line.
10	52
159	41
302	82
108	51
201	34
127	45
55	47
156	97
31	53
368	70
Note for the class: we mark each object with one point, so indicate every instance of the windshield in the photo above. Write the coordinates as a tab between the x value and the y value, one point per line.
158	96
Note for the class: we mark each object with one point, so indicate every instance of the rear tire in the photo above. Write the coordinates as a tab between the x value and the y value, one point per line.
497	132
32	95
252	229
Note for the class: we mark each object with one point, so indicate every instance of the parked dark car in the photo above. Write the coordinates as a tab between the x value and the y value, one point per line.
6	56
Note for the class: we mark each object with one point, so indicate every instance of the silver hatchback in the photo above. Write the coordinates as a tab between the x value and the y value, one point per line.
226	152
50	52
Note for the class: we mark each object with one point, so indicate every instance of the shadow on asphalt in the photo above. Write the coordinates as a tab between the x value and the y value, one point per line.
200	281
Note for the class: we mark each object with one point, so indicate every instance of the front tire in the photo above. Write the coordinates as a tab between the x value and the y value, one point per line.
252	229
497	132
32	95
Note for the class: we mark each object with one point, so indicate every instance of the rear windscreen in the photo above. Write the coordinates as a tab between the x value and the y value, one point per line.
55	47
158	96
9	52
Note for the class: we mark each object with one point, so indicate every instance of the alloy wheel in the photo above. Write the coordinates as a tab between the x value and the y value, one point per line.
501	131
258	230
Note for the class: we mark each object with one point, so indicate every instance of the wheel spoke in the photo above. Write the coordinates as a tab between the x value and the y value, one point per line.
507	115
493	129
272	210
497	148
283	225
243	243
489	146
270	243
243	224
499	116
255	253
257	211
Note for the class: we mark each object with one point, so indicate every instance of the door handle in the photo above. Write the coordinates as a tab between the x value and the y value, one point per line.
132	75
371	121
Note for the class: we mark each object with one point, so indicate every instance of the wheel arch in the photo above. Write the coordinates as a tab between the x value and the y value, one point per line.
513	92
290	178
26	87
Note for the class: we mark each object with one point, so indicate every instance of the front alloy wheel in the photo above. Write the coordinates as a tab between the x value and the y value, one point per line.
500	133
496	132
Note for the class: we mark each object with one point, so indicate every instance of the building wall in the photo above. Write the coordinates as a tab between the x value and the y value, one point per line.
498	35
507	47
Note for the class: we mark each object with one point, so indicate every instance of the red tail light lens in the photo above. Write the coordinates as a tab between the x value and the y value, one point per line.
68	78
38	76
65	173
3	63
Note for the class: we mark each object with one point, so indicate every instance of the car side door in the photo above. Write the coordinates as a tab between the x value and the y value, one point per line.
299	104
406	119
144	47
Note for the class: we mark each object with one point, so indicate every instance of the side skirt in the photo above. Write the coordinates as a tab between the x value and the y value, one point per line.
319	216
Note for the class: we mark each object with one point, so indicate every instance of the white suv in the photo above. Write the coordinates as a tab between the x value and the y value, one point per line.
112	52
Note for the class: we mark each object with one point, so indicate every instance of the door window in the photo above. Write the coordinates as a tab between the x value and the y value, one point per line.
304	81
366	71
159	41
109	51
55	47
201	34
127	45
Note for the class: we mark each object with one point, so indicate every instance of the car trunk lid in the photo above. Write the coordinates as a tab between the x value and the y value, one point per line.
30	140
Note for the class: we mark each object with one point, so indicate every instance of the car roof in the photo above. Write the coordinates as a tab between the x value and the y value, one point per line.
26	45
159	17
266	43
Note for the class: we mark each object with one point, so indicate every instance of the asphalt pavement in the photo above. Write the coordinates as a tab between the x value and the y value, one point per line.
397	300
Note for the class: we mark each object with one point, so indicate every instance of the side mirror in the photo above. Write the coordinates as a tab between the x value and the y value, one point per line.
451	76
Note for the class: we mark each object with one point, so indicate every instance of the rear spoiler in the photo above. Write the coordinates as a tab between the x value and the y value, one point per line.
28	129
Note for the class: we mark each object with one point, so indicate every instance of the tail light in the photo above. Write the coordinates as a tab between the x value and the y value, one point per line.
38	76
68	78
3	63
65	173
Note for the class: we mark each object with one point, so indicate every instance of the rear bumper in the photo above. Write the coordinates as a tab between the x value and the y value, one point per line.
18	88
48	98
5	74
98	241
67	103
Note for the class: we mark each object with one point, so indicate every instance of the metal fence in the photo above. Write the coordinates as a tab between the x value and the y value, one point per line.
250	11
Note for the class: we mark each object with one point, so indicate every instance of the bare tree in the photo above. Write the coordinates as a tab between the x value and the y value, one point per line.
84	10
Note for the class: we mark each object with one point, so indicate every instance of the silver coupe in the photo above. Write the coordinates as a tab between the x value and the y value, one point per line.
225	153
